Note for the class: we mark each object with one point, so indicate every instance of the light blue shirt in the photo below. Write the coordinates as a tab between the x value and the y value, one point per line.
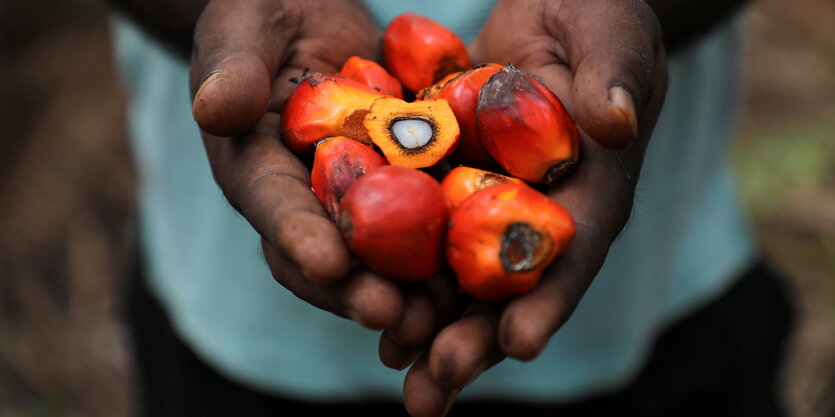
686	241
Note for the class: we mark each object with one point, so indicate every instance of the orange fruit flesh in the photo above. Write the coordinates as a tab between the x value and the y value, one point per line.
416	134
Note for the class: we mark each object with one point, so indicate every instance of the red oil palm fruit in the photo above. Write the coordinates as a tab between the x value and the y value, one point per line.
322	106
463	181
462	94
394	219
338	163
501	239
372	75
525	127
419	51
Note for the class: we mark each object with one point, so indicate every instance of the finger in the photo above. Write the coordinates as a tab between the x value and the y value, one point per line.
428	308
425	312
366	298
372	301
465	348
395	355
417	324
238	48
449	302
616	66
422	396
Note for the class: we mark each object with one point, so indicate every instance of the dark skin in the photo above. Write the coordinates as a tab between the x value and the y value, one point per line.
611	77
242	61
231	64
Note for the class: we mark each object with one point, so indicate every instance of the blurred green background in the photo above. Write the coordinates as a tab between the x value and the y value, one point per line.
66	193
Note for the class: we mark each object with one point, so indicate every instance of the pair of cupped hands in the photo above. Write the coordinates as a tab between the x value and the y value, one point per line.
603	58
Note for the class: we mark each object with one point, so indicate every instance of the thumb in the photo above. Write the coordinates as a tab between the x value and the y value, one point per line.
619	68
238	48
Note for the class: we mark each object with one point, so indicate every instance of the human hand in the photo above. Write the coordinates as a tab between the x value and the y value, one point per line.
606	62
243	57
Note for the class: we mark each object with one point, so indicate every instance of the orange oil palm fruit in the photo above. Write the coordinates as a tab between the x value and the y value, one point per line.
394	220
462	94
463	181
416	134
433	90
371	74
323	106
501	239
338	163
525	127
419	51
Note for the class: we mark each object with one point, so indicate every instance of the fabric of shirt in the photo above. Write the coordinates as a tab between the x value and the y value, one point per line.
686	241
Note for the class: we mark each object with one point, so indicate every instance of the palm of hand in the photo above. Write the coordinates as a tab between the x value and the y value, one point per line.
611	77
606	63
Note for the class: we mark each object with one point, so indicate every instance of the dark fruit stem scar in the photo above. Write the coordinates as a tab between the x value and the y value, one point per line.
523	248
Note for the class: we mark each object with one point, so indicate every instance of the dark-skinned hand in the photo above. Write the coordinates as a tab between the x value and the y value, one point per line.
606	62
245	52
243	58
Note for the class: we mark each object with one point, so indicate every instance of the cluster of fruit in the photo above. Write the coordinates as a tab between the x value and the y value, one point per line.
496	232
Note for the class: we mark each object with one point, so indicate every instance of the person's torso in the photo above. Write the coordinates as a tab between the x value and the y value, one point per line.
684	243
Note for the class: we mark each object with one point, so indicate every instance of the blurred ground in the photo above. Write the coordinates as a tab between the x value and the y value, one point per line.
66	189
786	160
785	157
66	186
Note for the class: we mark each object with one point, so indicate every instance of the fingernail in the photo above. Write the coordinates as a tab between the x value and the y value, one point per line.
212	78
622	100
